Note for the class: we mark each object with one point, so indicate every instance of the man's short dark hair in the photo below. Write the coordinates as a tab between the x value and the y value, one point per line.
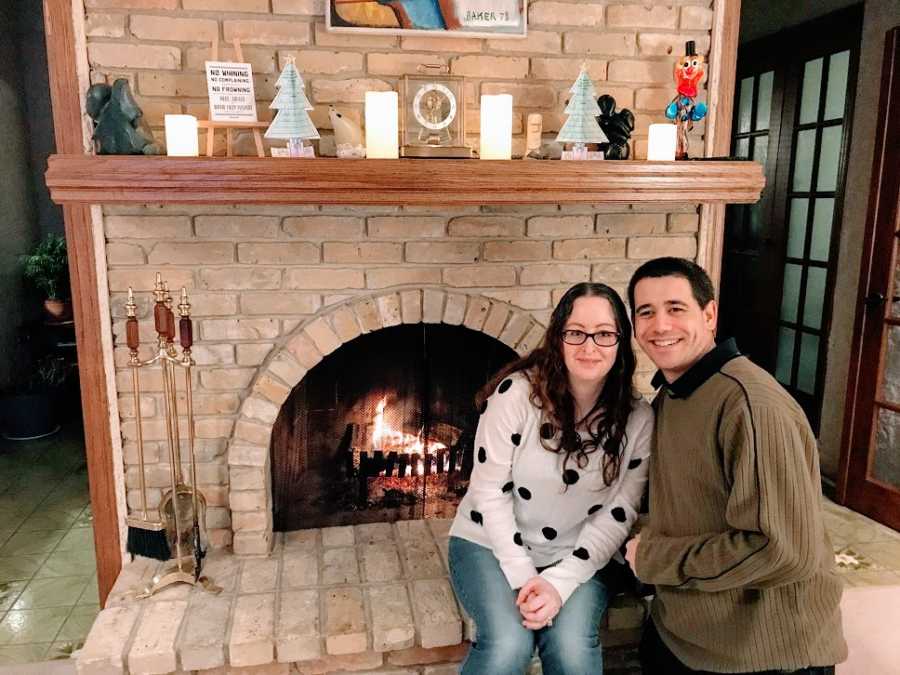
701	285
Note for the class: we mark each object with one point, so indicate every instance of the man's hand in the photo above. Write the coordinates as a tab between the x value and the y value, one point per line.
631	553
539	602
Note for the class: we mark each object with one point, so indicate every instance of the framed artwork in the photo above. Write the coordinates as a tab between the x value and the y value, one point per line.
447	18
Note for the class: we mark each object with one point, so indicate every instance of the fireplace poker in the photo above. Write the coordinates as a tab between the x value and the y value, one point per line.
186	336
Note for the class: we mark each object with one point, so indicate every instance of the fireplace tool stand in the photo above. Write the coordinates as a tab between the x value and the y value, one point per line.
182	509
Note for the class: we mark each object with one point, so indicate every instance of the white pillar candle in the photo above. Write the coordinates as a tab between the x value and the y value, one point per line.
496	126
382	126
661	142
181	136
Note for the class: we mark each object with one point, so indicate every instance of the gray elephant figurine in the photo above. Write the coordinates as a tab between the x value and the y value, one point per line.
119	125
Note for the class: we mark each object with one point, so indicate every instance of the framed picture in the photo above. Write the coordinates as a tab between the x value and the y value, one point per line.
447	18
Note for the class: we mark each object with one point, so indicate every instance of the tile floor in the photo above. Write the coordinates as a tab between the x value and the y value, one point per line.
48	583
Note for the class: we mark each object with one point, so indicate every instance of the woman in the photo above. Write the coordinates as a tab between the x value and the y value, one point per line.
561	463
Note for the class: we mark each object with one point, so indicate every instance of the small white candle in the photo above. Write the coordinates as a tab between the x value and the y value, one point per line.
496	126
181	136
382	125
661	142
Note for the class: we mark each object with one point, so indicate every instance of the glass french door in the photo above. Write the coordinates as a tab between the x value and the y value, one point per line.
869	478
813	188
793	113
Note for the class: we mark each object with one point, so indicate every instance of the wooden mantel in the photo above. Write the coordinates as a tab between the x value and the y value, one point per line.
251	180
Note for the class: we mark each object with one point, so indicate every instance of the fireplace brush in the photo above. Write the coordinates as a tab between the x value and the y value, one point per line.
146	537
182	509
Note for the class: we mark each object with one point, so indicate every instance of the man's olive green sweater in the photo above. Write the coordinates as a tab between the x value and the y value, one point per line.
736	546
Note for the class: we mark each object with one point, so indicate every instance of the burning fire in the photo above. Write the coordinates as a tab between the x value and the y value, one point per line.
387	439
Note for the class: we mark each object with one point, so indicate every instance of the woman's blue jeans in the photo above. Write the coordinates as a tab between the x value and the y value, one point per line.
503	646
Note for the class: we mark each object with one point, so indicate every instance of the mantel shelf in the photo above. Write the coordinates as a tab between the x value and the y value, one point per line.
90	179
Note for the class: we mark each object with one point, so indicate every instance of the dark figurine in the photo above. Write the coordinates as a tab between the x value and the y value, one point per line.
617	126
119	125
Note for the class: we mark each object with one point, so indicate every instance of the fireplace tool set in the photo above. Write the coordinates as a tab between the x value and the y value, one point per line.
180	526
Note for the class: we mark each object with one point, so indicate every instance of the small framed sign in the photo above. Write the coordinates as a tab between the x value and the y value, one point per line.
447	18
231	96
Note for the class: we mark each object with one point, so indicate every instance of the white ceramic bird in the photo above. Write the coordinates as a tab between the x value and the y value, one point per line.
348	135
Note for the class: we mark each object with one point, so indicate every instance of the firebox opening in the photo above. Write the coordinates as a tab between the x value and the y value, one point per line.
382	429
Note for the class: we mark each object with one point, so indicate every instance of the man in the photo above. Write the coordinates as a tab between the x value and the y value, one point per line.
735	544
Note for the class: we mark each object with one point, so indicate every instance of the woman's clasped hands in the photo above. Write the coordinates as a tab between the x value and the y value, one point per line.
539	602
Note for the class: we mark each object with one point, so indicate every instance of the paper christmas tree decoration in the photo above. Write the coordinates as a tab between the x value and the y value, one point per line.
292	121
582	127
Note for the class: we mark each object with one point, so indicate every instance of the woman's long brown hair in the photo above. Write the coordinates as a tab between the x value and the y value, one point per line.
545	369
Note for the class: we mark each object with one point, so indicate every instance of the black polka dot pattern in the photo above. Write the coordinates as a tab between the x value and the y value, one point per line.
570	476
547	431
619	514
482	455
476	517
581	553
508	487
524	493
517	538
635	463
504	386
549	533
516	439
594	509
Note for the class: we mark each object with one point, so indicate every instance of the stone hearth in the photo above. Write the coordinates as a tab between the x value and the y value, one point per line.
369	598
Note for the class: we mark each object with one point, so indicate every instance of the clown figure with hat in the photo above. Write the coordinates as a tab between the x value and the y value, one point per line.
683	109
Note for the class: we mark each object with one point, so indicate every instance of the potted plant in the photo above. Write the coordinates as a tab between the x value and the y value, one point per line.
47	267
30	411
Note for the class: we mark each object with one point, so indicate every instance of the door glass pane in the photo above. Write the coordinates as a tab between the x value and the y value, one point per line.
790	296
891	375
785	359
837	85
829	158
761	149
797	227
745	106
803	159
764	100
823	214
809	358
815	297
742	149
809	99
886	458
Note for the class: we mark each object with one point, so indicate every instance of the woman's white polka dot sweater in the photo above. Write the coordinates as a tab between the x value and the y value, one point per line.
522	506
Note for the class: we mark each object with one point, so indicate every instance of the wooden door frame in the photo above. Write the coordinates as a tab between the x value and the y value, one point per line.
865	357
89	319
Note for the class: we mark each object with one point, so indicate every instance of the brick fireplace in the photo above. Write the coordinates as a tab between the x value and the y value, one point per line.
277	289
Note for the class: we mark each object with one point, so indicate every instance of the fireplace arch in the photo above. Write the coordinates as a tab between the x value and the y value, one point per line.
249	461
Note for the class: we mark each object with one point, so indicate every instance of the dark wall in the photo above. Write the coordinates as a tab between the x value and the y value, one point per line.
38	113
18	217
26	140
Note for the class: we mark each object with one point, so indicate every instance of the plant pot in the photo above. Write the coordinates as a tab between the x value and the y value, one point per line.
28	416
57	310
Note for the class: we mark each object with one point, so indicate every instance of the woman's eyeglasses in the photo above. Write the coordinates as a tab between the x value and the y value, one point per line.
602	338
